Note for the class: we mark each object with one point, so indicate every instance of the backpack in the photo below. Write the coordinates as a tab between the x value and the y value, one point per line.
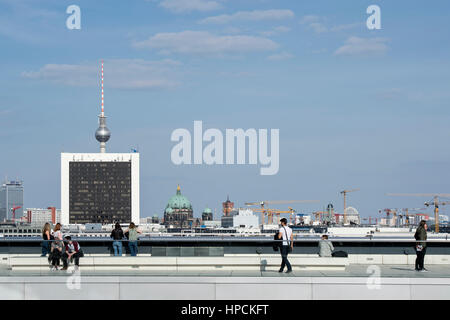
277	243
339	254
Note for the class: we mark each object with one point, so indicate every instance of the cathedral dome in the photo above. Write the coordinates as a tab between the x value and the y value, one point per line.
178	202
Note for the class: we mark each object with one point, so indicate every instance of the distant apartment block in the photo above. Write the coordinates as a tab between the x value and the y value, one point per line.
39	217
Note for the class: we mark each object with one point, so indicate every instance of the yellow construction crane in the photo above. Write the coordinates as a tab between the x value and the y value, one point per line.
270	212
344	192
318	215
435	202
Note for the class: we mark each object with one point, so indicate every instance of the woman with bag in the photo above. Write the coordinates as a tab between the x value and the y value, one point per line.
421	245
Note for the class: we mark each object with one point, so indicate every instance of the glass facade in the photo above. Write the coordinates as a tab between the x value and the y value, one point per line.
99	192
11	196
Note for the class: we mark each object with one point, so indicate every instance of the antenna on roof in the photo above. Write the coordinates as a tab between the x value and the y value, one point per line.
103	110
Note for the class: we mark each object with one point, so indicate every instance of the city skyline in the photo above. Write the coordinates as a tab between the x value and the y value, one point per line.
356	108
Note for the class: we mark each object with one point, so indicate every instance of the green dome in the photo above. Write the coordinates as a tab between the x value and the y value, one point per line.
169	210
178	202
207	210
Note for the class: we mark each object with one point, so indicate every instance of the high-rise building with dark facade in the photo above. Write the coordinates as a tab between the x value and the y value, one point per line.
11	199
100	192
99	188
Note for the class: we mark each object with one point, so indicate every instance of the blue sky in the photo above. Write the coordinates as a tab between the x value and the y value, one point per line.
356	108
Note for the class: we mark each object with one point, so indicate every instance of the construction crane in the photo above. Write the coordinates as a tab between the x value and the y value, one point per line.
13	209
270	211
344	192
318	215
407	213
290	211
394	214
435	202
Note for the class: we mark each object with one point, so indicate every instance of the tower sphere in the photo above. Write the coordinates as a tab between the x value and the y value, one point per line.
102	134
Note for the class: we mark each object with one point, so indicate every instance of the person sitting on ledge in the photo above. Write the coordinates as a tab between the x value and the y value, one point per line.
325	247
72	252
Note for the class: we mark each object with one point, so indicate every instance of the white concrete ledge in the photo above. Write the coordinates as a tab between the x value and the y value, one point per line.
186	263
269	262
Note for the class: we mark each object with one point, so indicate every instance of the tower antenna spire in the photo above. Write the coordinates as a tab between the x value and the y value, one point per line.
103	105
102	134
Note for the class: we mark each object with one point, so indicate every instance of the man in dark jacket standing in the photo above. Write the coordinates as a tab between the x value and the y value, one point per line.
421	245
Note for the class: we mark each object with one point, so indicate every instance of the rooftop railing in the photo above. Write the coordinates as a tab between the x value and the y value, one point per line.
219	246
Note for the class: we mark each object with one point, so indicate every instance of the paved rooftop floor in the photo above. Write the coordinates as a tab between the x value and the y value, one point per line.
387	271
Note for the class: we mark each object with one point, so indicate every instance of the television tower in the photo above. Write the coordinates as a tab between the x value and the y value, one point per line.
102	134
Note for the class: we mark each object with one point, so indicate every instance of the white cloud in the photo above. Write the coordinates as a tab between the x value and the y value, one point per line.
202	42
119	73
344	27
309	19
232	30
280	56
275	31
186	6
362	46
318	27
318	24
256	15
315	23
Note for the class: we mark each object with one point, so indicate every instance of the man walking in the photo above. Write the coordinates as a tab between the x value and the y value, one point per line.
285	233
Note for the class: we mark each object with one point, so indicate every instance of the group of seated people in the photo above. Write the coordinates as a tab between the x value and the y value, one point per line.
67	250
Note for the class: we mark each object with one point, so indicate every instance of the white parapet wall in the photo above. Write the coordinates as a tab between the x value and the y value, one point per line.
69	287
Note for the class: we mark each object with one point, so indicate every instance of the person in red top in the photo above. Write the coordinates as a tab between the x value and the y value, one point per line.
72	252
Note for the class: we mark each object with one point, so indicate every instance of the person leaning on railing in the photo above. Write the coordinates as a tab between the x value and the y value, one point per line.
46	237
132	234
117	235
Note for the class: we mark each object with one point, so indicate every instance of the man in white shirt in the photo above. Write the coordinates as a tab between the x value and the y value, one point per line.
286	234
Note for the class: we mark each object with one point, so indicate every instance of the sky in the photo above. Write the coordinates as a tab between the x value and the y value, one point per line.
355	108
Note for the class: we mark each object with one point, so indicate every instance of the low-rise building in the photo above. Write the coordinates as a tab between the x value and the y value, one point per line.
39	217
243	219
